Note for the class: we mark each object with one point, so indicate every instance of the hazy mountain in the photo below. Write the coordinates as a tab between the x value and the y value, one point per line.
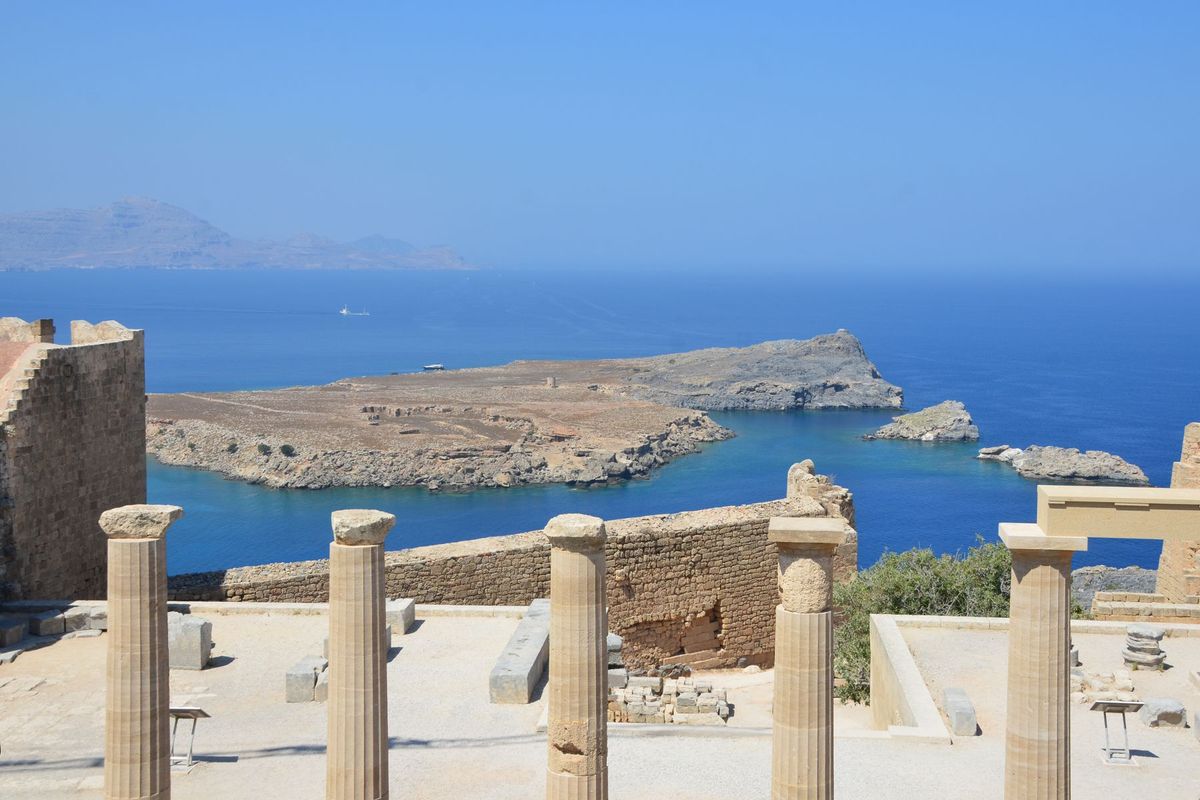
139	232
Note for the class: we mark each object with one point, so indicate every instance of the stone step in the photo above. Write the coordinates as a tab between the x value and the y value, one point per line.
689	658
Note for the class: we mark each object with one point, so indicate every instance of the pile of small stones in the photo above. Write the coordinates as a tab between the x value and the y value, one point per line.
1141	646
679	701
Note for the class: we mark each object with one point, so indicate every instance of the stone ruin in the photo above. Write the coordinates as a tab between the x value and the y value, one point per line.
679	701
1142	648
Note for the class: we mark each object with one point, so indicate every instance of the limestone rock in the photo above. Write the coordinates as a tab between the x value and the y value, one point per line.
1067	464
139	521
1086	581
361	526
948	421
1001	452
1163	712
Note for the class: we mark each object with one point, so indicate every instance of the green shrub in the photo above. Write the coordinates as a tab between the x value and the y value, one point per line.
231	447
287	450
264	449
914	582
191	446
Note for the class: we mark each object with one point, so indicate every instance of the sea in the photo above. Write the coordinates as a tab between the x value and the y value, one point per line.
1111	364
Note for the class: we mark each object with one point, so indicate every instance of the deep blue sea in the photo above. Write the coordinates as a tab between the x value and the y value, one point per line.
1111	365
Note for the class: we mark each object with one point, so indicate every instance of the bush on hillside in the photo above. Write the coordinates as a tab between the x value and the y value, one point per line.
264	449
914	582
287	450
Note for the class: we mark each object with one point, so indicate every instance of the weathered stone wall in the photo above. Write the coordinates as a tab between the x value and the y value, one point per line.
668	576
72	444
1179	565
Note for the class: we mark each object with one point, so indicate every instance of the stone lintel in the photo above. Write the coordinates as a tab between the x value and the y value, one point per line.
576	531
361	526
139	521
1028	536
806	532
1119	512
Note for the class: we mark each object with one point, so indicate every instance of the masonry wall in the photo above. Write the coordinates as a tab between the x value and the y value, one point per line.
1179	565
72	444
700	582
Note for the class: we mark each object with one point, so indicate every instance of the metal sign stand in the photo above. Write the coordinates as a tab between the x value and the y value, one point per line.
1117	756
194	714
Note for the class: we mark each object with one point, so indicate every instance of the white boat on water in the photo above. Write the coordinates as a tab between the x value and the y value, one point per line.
346	312
434	367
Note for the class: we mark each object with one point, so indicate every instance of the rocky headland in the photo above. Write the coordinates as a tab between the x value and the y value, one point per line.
1067	465
1086	581
948	421
574	422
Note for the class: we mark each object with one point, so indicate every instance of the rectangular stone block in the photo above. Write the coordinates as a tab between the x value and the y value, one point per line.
401	614
12	630
698	719
189	641
521	665
47	623
321	691
301	680
97	618
75	618
618	678
643	681
960	711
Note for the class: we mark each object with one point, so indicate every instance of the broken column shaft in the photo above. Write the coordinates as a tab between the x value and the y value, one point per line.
137	754
802	746
357	755
577	767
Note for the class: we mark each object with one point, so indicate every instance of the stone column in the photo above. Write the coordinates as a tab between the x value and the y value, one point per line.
137	749
356	765
1037	748
802	746
577	759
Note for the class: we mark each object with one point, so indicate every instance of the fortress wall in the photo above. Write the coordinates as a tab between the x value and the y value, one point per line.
72	444
700	582
1179	565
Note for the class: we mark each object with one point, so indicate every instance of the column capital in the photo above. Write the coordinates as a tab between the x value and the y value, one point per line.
1026	536
576	532
361	526
807	534
139	521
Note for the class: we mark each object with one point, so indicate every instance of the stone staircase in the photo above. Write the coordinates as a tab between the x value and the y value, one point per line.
1138	607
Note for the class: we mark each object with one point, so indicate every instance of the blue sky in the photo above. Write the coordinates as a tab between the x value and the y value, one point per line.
950	137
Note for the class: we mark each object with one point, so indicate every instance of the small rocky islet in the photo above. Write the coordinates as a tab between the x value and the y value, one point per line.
1066	465
948	421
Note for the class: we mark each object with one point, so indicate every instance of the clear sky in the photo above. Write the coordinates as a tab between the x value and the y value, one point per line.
956	137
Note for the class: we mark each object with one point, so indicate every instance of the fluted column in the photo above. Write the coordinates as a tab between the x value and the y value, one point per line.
137	750
577	758
357	756
802	745
1037	749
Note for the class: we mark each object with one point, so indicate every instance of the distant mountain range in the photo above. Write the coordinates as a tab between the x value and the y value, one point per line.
139	232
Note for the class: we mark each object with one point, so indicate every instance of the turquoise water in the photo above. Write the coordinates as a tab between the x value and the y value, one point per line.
1098	366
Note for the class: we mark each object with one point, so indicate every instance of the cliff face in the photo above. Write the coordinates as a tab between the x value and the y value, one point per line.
577	422
830	371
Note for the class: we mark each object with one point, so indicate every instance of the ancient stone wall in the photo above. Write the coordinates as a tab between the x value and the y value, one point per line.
698	584
72	444
1179	565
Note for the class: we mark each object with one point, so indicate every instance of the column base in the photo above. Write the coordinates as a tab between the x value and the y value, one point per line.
562	786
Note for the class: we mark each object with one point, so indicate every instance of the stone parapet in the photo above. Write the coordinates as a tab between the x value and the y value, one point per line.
1179	564
670	578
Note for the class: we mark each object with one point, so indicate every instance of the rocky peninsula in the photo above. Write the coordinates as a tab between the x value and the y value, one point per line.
528	422
1066	465
948	421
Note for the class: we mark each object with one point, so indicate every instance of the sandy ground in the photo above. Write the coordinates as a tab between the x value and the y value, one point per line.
448	741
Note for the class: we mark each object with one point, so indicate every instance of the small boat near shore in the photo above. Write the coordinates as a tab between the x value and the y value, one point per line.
346	312
434	367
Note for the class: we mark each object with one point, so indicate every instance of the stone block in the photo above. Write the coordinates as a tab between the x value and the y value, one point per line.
618	678
301	679
521	664
401	615
12	630
960	711
97	618
75	618
1163	712
9	654
654	684
189	641
321	691
47	623
698	719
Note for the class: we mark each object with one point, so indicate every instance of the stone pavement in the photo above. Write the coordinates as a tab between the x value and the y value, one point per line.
448	740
